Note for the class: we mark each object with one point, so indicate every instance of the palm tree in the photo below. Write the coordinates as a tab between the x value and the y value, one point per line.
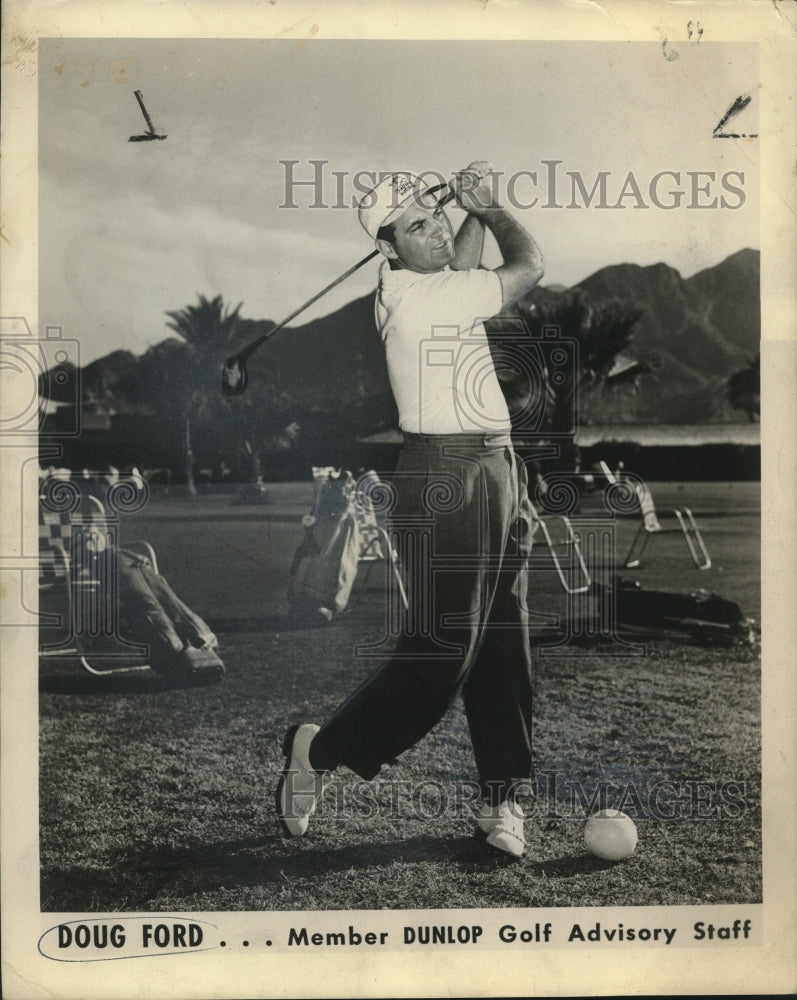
744	389
601	337
598	357
206	329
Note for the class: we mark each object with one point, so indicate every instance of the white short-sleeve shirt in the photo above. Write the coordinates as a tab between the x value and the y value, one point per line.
438	357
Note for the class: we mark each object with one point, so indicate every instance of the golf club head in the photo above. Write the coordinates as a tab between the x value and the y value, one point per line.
234	377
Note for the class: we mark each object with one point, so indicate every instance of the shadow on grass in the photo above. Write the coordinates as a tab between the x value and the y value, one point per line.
568	867
136	882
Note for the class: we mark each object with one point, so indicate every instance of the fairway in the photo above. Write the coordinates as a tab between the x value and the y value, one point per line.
160	798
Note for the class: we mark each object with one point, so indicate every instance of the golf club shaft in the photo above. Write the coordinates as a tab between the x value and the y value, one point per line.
244	354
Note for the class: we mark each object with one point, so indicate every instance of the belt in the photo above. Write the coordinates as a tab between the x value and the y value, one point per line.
496	440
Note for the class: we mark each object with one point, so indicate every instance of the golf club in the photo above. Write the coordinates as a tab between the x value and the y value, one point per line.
234	375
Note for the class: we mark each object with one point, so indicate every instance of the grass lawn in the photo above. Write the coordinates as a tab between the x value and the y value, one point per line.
156	797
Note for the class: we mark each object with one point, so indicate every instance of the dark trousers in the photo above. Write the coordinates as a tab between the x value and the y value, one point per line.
462	524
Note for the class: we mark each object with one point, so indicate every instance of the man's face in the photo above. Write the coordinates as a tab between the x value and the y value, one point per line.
424	238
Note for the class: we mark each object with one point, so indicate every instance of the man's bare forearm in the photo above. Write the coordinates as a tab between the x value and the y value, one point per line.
516	244
468	244
523	263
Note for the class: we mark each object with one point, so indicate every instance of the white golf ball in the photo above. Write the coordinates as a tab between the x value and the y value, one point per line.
610	835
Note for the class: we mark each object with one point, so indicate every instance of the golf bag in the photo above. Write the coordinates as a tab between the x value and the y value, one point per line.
699	615
325	563
179	640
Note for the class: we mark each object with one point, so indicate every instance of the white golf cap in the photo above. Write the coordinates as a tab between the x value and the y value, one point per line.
384	203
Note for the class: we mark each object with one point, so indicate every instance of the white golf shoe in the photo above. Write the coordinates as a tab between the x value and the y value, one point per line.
503	825
300	787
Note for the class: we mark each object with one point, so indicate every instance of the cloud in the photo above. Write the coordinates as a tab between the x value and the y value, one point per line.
113	273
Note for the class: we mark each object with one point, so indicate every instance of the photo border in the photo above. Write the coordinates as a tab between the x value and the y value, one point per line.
765	964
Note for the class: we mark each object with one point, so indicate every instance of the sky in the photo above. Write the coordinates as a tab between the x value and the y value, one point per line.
128	230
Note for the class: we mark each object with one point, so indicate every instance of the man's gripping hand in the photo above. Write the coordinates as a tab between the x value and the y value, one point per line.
475	188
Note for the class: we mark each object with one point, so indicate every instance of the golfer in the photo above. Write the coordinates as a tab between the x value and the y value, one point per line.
461	511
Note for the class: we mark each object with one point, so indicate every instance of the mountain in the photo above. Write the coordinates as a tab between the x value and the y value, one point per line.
728	295
334	365
325	383
701	329
115	376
